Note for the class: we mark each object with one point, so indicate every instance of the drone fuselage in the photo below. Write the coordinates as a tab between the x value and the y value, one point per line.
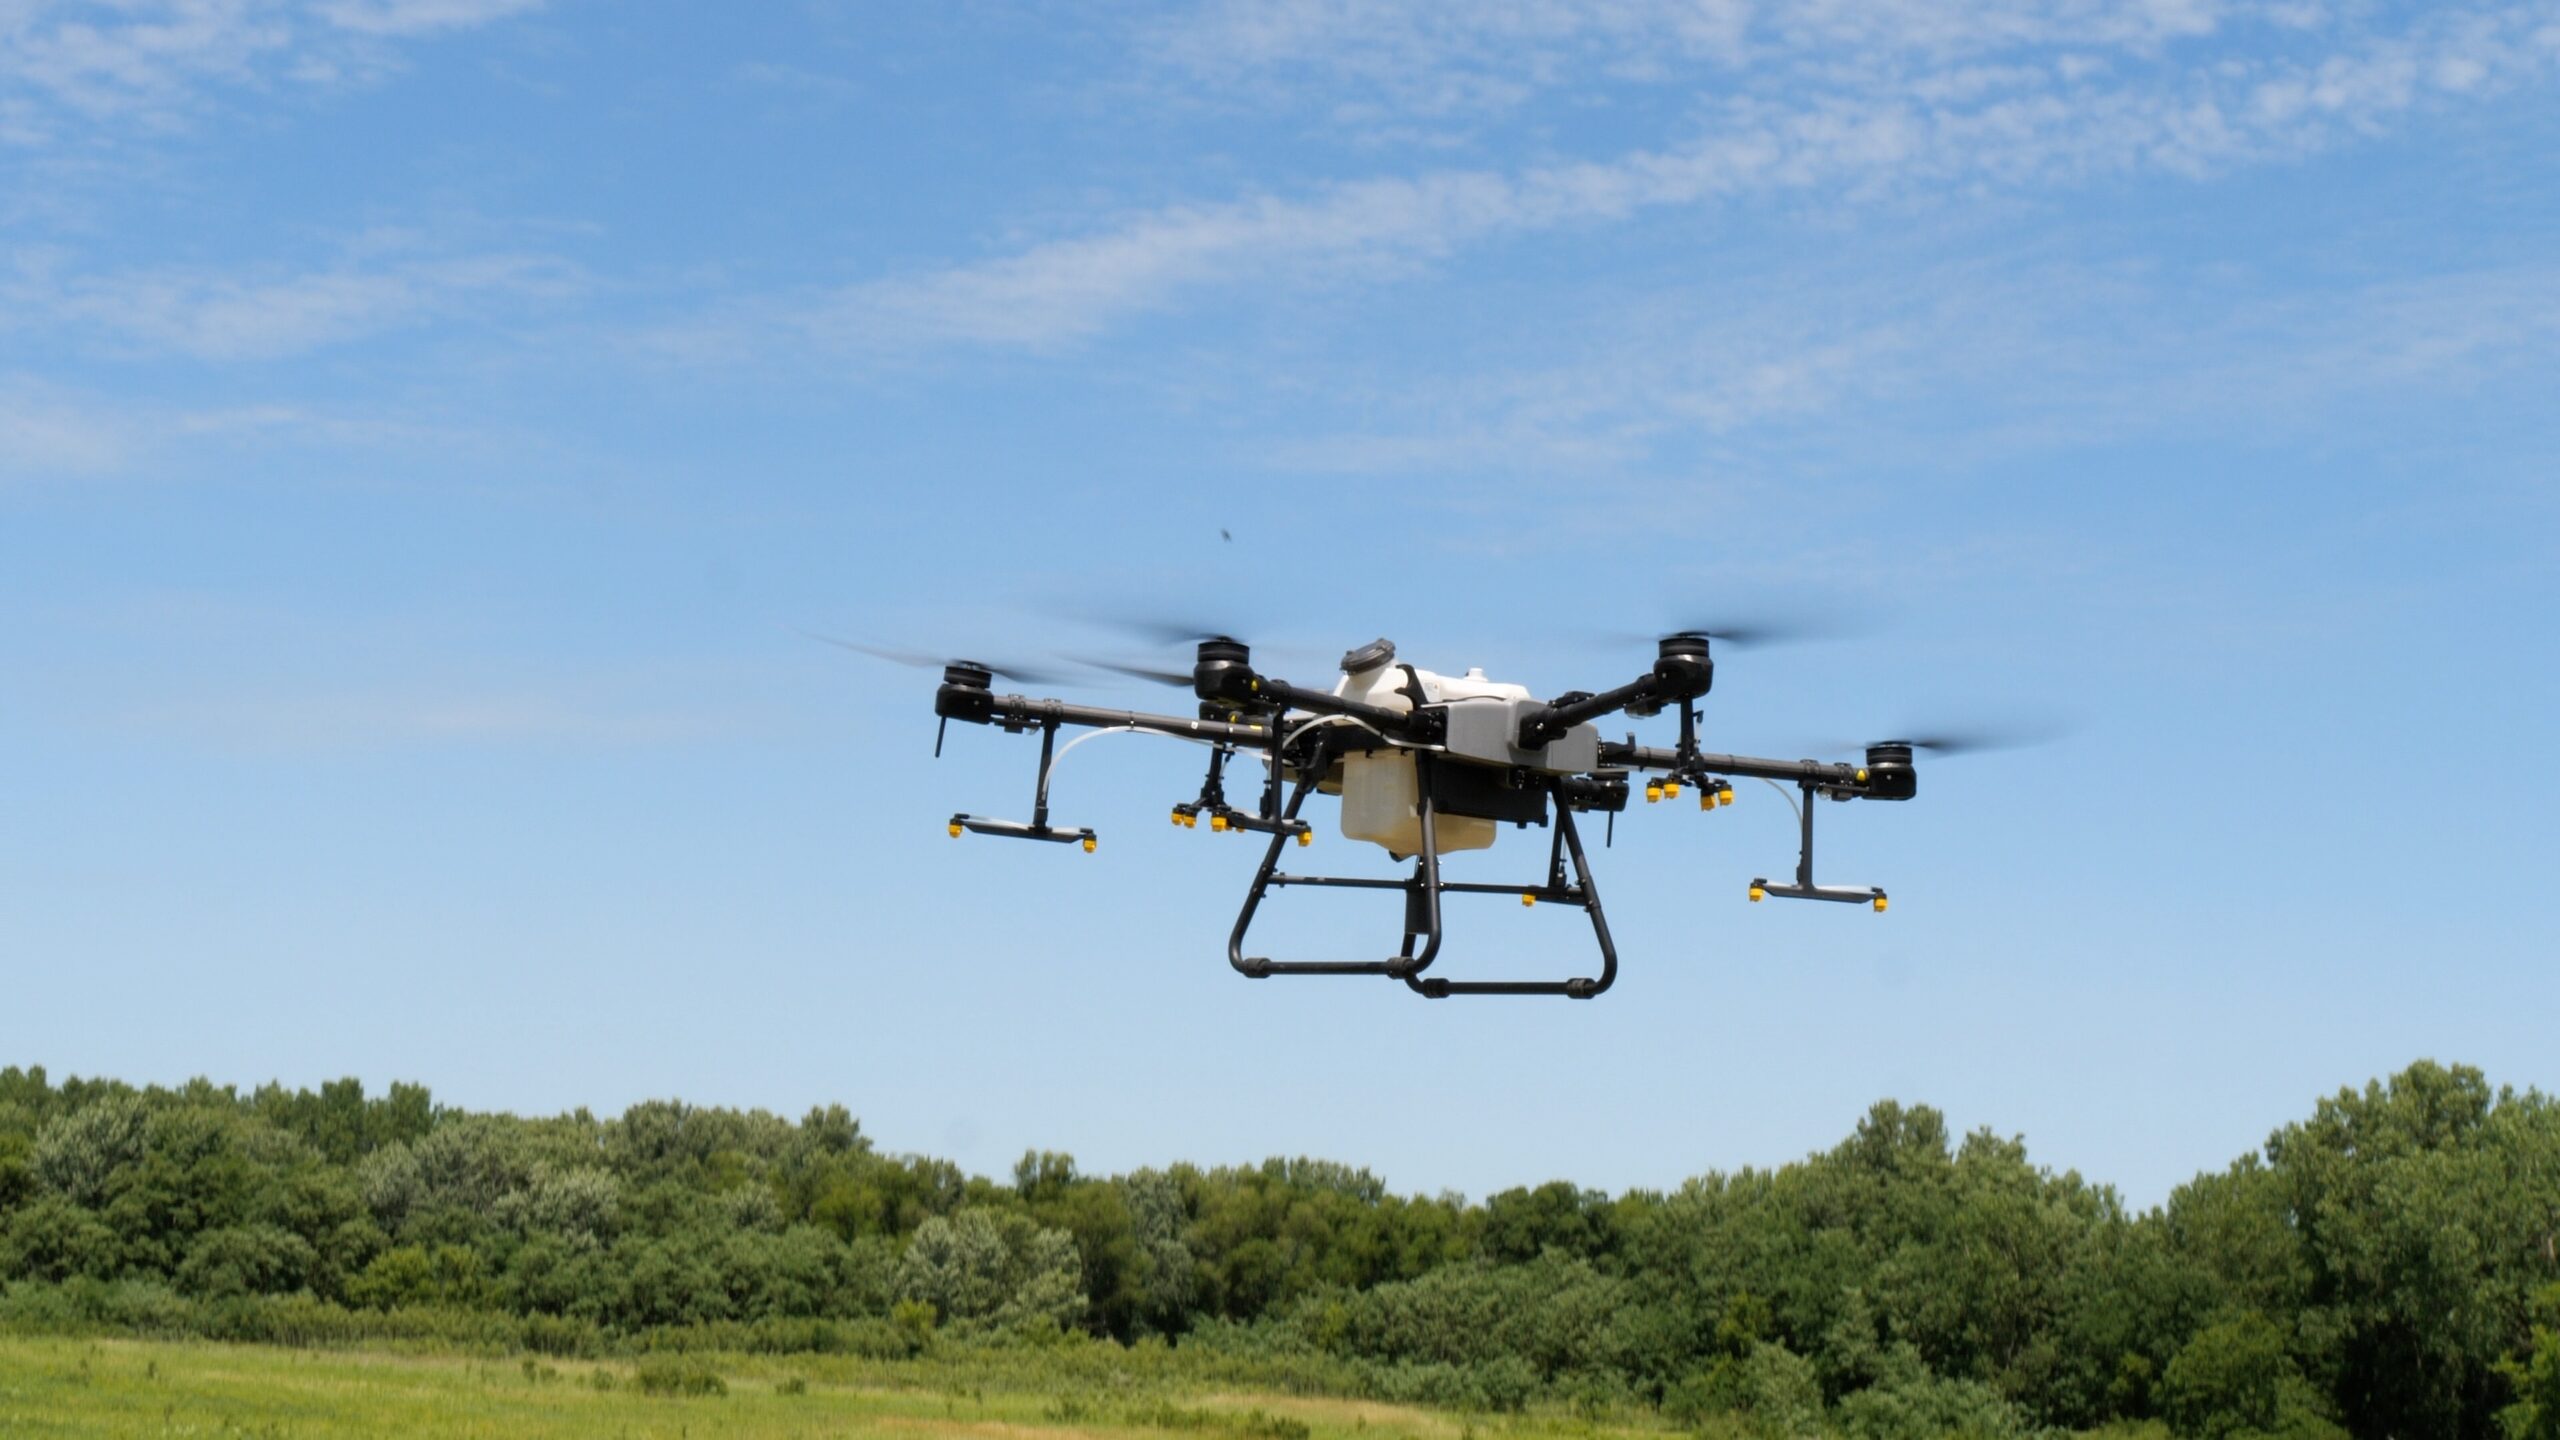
1477	721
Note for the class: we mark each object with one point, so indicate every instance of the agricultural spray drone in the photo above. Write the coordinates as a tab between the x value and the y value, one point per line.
1425	765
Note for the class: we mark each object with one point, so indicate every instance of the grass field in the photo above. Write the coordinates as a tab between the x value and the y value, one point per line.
85	1388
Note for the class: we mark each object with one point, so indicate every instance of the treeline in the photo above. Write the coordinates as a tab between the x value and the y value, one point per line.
2389	1266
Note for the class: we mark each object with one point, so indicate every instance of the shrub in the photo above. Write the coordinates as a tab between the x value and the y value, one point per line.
559	1335
56	1239
1259	1426
1910	1403
245	1260
1507	1383
680	1375
2227	1380
1774	1389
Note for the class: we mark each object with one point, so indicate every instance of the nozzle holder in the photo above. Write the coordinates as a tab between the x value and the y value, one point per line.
1845	894
1247	820
1017	830
1038	828
1804	888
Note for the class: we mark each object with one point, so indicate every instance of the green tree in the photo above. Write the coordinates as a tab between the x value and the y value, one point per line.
1521	1224
77	1155
1000	1269
2535	1374
1167	1279
2228	1380
2425	1208
53	1240
246	1260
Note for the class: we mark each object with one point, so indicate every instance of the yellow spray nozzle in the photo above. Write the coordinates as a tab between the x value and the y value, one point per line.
1306	837
1725	796
1217	822
1758	894
1652	793
955	829
1879	904
1528	900
1671	789
1088	845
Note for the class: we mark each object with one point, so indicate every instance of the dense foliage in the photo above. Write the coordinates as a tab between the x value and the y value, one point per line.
2387	1267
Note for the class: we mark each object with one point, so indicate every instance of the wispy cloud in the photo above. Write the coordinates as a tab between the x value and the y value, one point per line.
1753	375
1886	118
153	62
270	312
49	432
417	17
44	433
1362	58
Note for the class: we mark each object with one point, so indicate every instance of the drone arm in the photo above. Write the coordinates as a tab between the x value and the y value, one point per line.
1021	712
1681	675
1821	774
1281	693
1561	715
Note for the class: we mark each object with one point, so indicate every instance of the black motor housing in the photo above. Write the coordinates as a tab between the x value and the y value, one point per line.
1683	666
965	694
1889	772
1225	671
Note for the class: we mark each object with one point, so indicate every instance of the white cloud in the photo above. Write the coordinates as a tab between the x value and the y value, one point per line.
418	17
140	58
1453	57
268	314
44	433
153	62
1871	127
1758	371
51	432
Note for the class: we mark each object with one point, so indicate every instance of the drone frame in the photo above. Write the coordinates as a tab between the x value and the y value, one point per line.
1242	710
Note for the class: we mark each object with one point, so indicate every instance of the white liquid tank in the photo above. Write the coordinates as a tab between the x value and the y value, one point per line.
1381	794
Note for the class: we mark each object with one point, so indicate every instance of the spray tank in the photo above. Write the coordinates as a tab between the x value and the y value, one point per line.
1381	795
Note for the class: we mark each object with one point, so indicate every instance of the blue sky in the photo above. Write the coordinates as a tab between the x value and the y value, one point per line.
424	425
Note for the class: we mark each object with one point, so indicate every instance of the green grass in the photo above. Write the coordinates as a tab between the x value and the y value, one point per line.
51	1387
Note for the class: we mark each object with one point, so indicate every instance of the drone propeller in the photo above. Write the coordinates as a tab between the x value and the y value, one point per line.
1749	629
1167	630
1975	739
1751	633
1019	674
1180	679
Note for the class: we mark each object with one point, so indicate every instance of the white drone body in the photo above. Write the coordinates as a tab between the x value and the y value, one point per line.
1381	790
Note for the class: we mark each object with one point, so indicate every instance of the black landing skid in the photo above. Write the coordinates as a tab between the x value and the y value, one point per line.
1422	891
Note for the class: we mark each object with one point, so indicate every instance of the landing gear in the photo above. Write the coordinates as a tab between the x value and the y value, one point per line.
1422	891
1804	888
